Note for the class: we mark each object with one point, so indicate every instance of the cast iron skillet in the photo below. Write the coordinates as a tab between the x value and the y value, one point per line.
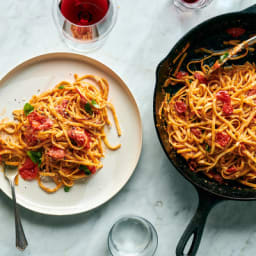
209	34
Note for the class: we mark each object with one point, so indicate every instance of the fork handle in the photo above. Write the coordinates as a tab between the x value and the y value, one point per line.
251	40
21	241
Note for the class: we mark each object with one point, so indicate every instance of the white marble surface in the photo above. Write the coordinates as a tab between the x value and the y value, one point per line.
144	34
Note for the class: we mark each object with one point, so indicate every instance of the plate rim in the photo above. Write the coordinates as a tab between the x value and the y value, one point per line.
101	66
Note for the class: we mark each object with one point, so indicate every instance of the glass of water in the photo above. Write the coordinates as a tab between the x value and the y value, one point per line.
132	236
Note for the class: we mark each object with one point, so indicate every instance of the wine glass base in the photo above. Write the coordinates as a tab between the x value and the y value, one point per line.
84	47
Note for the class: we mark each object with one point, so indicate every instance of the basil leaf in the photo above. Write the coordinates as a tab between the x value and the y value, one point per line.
35	157
66	188
88	108
95	104
85	169
207	148
61	87
28	108
223	57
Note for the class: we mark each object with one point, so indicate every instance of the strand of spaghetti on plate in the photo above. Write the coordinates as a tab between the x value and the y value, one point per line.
211	121
59	133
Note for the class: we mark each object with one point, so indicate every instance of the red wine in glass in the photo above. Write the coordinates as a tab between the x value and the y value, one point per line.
190	1
188	5
84	12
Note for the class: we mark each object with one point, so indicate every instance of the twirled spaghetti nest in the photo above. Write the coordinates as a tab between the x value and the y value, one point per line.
59	133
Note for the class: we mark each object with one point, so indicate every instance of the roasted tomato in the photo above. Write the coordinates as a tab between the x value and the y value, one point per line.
62	108
39	122
242	146
29	170
217	177
180	107
200	77
56	153
222	138
79	136
92	169
231	169
181	74
196	132
227	109
235	32
223	96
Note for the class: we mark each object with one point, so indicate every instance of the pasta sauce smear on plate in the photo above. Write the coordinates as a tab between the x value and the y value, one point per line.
59	133
211	120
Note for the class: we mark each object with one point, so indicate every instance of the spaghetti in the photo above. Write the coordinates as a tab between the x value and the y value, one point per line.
59	133
211	120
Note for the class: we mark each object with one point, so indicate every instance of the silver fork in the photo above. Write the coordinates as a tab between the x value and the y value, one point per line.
21	242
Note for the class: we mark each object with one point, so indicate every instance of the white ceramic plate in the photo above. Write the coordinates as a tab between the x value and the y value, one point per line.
43	72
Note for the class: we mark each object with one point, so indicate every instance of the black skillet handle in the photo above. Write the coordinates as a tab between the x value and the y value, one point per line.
251	9
196	225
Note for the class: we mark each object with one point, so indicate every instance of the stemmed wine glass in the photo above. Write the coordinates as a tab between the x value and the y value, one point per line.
84	24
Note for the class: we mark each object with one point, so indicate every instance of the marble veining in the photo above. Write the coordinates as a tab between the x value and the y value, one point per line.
144	34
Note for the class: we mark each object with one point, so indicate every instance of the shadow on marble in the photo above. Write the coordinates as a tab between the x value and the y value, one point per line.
233	215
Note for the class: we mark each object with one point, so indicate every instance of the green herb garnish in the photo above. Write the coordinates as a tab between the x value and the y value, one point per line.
207	148
85	169
223	57
88	108
28	108
61	87
66	188
95	104
35	156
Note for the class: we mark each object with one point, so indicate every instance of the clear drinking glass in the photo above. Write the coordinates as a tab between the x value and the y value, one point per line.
84	38
132	236
186	5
